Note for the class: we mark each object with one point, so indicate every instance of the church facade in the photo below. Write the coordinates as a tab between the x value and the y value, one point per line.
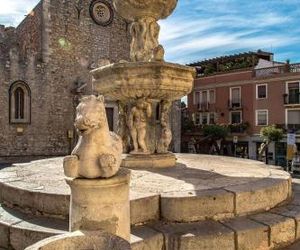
44	68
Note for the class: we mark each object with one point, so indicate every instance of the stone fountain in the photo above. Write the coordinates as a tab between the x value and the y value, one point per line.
146	86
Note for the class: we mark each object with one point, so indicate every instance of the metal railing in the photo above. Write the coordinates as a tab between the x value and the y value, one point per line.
279	69
291	98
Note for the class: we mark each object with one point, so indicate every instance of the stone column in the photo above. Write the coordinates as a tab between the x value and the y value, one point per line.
101	204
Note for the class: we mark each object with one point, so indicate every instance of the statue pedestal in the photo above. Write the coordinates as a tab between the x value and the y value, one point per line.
101	204
149	161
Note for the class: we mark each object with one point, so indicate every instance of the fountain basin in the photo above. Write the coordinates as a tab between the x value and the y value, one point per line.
135	9
154	80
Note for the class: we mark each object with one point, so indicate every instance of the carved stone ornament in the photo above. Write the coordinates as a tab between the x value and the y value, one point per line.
98	151
101	12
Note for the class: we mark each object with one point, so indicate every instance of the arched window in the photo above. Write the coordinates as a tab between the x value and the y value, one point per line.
19	99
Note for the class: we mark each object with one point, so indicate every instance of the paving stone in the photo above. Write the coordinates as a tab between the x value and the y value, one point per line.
249	234
282	229
260	196
191	206
198	235
145	238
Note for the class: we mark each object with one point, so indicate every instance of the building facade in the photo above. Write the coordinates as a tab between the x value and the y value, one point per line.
247	97
44	69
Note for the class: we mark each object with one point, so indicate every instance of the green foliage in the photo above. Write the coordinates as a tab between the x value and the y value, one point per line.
215	131
271	133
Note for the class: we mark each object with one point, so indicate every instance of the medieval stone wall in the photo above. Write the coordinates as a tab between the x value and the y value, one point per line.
53	50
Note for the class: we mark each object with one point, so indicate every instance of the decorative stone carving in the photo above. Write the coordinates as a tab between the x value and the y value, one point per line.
166	133
101	12
98	151
137	123
144	33
144	28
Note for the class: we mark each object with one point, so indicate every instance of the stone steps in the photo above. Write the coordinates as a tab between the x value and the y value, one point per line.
179	206
274	229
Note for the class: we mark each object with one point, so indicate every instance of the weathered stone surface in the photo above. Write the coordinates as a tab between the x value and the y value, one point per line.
282	229
260	195
143	208
197	205
98	151
149	161
195	174
82	240
101	204
8	217
201	235
30	231
145	238
290	211
249	234
53	50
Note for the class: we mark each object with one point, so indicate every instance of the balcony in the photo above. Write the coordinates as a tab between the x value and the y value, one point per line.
277	70
295	128
291	99
235	104
240	128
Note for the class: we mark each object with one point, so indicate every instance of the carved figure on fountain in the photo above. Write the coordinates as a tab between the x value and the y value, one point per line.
138	118
98	151
166	133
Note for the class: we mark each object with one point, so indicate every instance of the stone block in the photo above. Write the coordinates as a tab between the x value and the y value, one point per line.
27	233
143	208
249	234
8	217
145	238
210	235
282	229
290	211
191	206
149	161
261	195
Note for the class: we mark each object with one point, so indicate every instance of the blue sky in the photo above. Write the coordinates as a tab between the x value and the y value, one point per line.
204	29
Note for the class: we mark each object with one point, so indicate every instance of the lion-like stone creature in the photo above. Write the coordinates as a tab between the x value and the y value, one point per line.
98	151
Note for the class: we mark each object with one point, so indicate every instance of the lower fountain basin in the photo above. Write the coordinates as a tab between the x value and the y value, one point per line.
153	80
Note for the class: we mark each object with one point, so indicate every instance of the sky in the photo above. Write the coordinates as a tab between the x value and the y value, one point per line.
201	29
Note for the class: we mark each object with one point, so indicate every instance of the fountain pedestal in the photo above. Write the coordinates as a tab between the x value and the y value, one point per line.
101	204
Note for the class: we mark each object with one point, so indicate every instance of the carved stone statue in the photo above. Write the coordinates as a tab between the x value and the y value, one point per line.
166	133
98	151
137	124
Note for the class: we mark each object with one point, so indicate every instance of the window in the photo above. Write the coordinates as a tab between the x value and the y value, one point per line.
235	117
212	118
204	118
261	117
212	96
196	99
293	92
235	97
261	91
19	99
293	117
197	118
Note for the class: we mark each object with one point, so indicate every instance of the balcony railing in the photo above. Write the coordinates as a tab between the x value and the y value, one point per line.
291	99
289	127
281	69
235	104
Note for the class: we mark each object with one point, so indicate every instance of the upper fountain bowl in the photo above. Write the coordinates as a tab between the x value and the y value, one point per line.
153	80
135	9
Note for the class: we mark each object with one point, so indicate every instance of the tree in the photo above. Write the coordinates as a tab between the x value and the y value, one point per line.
215	133
269	134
